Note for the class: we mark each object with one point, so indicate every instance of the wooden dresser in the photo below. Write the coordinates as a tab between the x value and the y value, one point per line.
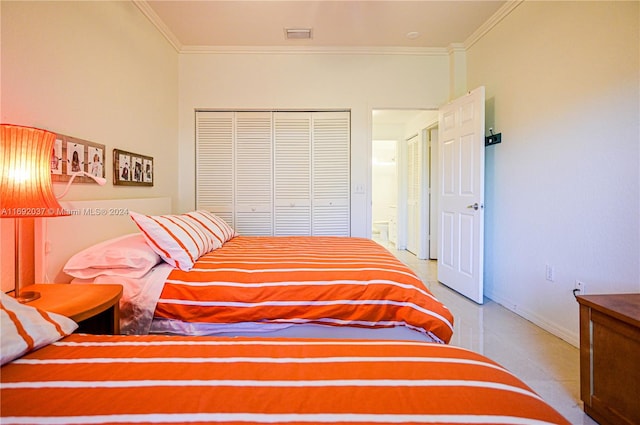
610	357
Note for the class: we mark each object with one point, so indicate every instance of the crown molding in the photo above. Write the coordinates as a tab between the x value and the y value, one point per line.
158	23
456	47
297	50
500	14
505	10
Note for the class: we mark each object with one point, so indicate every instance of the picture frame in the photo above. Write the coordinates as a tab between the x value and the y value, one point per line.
71	154
132	169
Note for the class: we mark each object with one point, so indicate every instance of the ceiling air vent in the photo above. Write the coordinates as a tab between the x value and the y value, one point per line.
297	33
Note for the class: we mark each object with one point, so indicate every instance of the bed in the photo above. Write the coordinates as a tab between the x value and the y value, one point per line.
191	274
58	377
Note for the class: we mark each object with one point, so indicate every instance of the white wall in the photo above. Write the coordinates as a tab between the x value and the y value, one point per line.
562	87
384	186
99	71
563	187
358	82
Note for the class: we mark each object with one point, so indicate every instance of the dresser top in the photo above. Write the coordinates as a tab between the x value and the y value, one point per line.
625	307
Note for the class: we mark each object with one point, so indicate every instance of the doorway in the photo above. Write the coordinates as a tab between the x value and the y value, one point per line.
384	193
401	176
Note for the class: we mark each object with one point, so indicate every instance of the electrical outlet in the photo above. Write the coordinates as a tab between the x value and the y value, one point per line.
580	288
548	273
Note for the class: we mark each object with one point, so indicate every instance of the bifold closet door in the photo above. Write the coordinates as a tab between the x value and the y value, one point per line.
215	164
275	173
292	173
253	173
330	172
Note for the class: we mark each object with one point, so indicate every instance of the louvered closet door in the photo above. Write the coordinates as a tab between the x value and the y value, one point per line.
330	171
292	173
214	163
253	166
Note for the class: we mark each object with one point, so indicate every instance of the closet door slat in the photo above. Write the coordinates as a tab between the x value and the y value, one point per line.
253	177
275	173
292	173
331	173
215	163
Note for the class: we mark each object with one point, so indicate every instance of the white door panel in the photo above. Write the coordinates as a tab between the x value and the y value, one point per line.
447	237
461	212
434	178
413	194
214	163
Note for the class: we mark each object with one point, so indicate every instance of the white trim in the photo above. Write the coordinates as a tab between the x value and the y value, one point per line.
316	50
153	17
565	334
158	23
456	47
500	14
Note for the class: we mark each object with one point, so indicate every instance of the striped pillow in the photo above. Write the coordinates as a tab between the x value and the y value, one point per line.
26	328
217	226
179	239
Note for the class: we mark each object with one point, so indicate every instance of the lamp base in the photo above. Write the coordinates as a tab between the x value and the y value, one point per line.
28	296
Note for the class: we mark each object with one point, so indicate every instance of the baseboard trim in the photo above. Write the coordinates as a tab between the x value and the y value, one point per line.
572	338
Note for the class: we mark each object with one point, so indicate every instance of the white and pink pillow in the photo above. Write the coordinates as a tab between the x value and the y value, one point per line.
26	328
126	256
179	239
219	228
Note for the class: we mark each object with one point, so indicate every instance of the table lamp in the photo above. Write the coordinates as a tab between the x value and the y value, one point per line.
25	184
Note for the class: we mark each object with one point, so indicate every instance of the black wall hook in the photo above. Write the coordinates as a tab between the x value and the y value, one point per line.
493	139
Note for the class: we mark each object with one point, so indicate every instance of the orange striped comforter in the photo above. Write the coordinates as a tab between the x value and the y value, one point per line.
175	379
291	280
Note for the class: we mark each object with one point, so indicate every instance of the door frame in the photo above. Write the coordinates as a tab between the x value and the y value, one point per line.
432	152
426	209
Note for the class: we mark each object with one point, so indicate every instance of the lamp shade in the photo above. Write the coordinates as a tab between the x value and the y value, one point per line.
25	173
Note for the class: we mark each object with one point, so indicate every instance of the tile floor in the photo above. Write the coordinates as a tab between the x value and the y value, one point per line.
543	361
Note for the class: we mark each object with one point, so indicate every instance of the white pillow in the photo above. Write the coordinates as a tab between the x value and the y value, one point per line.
26	328
179	239
217	226
127	255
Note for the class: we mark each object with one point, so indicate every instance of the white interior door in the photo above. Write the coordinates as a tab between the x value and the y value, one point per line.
461	190
413	194
434	178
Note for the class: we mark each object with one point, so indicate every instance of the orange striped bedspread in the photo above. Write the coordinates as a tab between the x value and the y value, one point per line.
177	379
334	281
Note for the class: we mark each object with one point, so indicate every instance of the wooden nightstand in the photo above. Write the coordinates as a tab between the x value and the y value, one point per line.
93	306
610	357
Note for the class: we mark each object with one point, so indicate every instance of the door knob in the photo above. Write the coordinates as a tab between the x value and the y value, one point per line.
474	206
